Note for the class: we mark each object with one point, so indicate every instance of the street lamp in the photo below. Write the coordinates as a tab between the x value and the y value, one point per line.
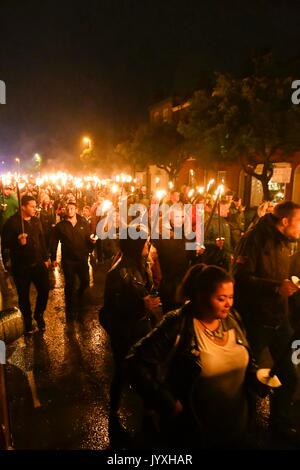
37	158
37	161
18	162
87	141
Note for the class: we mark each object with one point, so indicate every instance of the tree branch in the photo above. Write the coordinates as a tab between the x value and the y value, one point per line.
164	167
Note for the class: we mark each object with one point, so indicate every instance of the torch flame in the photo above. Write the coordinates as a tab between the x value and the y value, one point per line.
210	183
107	204
160	193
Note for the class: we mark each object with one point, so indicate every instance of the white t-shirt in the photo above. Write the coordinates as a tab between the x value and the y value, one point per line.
219	398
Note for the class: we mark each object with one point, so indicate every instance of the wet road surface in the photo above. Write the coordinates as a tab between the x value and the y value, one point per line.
58	382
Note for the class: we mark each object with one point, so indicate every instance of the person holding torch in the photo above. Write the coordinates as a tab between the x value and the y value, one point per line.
22	241
263	294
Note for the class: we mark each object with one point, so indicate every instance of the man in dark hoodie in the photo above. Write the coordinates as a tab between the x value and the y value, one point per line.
263	288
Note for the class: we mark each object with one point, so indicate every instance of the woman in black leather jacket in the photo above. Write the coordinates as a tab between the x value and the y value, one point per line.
128	306
196	368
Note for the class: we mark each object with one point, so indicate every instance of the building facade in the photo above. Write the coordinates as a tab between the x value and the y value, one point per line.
285	183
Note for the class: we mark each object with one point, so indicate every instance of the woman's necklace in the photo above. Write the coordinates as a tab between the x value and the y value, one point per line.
218	333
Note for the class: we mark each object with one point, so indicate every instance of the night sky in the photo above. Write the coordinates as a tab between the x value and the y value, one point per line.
96	66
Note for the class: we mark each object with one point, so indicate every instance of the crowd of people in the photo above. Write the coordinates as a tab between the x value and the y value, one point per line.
207	352
187	327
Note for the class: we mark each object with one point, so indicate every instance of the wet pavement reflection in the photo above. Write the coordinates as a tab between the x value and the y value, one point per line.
58	381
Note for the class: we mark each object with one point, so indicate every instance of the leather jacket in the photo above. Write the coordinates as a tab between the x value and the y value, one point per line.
126	285
262	263
166	364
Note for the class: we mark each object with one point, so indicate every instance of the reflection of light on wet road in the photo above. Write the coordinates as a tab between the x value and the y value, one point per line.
95	427
22	358
57	277
32	384
91	272
55	322
70	369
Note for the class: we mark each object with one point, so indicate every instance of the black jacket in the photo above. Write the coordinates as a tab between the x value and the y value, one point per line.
262	263
213	232
125	286
75	241
294	300
48	219
174	259
172	347
23	256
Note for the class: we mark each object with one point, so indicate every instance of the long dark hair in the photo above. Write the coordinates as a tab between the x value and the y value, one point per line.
202	279
132	249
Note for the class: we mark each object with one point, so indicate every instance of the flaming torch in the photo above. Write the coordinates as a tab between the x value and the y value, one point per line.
209	184
160	194
78	185
23	236
218	193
